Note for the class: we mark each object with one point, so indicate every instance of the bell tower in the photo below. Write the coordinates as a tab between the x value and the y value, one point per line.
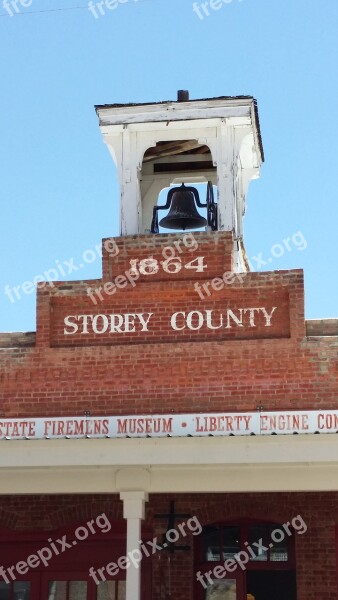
214	142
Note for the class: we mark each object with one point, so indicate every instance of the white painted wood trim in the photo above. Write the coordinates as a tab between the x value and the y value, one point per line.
180	465
174	111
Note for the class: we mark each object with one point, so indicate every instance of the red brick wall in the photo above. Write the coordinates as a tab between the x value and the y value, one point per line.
315	549
189	374
217	248
183	371
158	294
158	305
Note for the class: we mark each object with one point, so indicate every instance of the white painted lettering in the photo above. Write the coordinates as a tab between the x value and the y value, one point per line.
194	320
144	322
209	314
173	321
85	319
251	312
104	322
268	316
191	320
68	323
129	323
237	320
116	322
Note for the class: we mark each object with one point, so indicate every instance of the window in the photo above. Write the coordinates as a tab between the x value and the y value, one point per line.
19	590
267	538
111	590
266	543
67	590
77	589
220	542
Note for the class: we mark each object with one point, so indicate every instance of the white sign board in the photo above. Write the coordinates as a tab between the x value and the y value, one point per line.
178	425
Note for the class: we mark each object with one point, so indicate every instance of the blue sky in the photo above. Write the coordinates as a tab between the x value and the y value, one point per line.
58	186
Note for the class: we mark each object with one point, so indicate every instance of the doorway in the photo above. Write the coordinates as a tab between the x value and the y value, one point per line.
66	573
245	560
279	585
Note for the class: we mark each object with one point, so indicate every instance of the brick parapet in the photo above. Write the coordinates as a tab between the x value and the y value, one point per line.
44	375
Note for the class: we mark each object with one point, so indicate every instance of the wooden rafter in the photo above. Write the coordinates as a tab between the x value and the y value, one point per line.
163	149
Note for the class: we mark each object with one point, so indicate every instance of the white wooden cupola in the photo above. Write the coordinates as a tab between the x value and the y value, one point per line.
158	145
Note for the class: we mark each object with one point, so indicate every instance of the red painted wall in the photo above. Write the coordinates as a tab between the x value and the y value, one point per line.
315	549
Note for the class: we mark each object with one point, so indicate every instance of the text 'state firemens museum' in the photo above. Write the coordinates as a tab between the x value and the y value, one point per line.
170	430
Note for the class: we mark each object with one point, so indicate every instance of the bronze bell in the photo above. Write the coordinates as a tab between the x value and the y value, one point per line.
183	213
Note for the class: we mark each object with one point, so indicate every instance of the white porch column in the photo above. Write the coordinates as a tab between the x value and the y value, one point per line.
134	512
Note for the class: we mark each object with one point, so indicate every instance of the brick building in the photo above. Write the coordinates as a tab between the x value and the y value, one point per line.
180	397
